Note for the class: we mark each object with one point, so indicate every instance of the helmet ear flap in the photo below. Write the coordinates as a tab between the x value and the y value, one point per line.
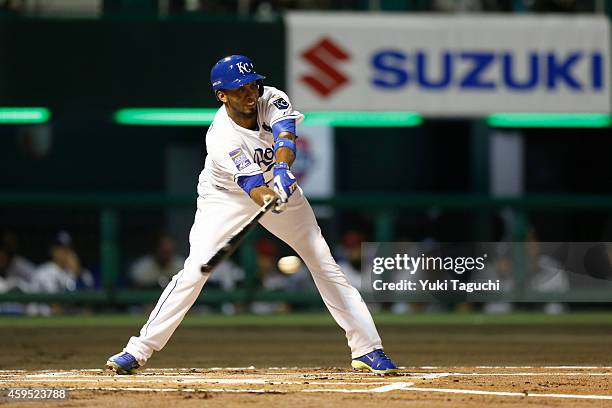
261	87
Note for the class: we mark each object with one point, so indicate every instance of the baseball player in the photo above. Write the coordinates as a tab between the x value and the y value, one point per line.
251	146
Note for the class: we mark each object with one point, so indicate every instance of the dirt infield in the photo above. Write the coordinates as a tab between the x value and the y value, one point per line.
332	386
472	365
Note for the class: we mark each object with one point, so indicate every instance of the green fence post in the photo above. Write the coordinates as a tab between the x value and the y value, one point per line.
384	227
518	6
479	140
248	260
519	256
109	250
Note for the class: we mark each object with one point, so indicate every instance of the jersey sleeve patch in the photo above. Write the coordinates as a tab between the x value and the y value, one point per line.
241	161
281	104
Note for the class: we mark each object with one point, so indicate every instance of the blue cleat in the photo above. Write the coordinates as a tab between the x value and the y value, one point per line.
122	363
375	361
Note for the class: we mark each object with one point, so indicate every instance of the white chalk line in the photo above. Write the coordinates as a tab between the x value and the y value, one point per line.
389	385
557	374
183	370
384	388
133	380
427	376
75	377
507	394
67	375
560	367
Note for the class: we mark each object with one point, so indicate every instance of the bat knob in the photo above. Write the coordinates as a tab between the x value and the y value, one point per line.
268	198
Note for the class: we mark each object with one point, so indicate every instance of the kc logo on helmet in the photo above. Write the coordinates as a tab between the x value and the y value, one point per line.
323	56
244	67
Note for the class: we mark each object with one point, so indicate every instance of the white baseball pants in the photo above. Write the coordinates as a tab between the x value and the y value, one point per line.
218	215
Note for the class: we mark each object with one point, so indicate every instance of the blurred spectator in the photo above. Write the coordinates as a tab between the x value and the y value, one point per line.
269	277
35	142
267	273
291	277
462	6
64	271
13	5
156	269
227	276
349	257
349	260
16	272
298	277
547	273
499	268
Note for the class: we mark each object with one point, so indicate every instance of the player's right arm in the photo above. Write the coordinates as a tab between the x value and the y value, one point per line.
235	161
259	194
256	188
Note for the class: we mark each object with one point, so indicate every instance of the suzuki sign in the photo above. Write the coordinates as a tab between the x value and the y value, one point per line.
449	65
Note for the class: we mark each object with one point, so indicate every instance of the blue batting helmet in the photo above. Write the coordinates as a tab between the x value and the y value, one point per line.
233	72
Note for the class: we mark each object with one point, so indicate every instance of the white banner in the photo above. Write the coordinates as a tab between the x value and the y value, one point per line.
314	164
456	65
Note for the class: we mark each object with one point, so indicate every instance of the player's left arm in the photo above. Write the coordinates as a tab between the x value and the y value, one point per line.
283	120
285	150
284	153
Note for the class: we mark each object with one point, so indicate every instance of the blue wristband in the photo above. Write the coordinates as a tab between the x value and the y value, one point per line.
285	125
247	183
281	165
282	142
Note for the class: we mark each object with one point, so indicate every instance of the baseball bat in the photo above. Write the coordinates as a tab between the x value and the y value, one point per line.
231	244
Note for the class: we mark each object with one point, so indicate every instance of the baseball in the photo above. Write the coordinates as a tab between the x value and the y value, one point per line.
289	264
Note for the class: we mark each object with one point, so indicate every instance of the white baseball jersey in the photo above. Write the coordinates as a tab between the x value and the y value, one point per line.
234	151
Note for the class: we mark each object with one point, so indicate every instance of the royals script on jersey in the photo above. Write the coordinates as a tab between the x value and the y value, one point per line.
234	151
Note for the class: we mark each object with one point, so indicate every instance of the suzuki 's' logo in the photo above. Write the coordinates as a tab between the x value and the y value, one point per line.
323	55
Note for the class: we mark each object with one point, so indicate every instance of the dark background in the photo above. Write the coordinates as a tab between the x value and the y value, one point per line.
85	69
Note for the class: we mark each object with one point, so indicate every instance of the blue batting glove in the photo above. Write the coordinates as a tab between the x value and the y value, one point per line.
284	181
